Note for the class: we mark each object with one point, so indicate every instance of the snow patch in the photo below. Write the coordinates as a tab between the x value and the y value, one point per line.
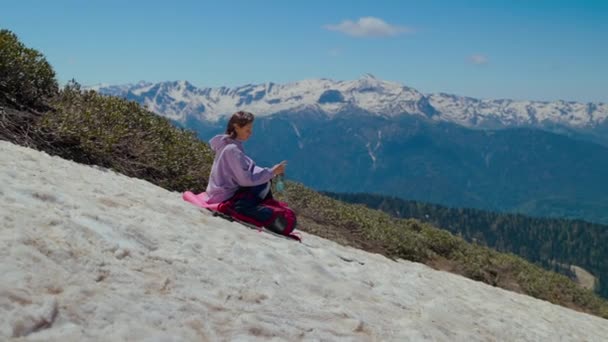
189	276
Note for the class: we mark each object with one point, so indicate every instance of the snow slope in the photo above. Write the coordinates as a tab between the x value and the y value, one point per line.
88	254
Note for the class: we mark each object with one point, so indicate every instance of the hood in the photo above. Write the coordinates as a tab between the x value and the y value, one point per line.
219	141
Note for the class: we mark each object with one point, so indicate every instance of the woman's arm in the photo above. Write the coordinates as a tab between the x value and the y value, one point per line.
244	170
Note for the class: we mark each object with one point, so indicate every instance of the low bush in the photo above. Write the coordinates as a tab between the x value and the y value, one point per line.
26	78
119	134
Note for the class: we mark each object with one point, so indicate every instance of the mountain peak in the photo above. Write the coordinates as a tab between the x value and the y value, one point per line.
143	83
368	76
367	93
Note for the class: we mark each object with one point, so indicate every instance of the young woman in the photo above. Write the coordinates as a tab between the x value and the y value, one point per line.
236	177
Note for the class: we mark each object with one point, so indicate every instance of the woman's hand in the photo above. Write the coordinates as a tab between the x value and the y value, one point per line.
279	169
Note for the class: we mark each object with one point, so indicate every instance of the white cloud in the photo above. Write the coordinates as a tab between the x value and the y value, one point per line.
478	59
368	27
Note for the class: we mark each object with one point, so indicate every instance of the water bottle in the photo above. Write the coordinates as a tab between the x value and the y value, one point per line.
279	186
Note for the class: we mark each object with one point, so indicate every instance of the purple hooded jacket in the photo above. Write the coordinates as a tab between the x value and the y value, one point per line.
232	169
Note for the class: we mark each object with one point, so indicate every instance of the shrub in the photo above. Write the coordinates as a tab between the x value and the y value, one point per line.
119	134
26	78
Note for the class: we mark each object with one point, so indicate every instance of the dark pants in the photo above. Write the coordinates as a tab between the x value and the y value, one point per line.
249	203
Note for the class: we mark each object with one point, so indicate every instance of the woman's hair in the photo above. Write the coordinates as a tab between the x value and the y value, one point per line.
241	118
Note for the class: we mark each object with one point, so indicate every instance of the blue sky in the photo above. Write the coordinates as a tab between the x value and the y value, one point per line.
537	50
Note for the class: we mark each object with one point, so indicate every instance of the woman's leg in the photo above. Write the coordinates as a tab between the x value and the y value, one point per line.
248	201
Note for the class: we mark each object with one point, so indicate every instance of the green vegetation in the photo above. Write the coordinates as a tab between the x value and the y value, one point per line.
26	78
552	243
115	133
121	135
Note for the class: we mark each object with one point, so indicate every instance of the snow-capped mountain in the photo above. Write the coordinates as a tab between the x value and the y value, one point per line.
394	147
179	100
479	113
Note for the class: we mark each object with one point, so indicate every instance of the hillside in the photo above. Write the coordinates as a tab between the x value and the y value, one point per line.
543	159
91	254
526	171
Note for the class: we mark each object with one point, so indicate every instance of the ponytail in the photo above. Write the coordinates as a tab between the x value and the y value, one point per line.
240	118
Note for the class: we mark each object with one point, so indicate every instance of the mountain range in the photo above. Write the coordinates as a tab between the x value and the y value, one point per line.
369	135
180	101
